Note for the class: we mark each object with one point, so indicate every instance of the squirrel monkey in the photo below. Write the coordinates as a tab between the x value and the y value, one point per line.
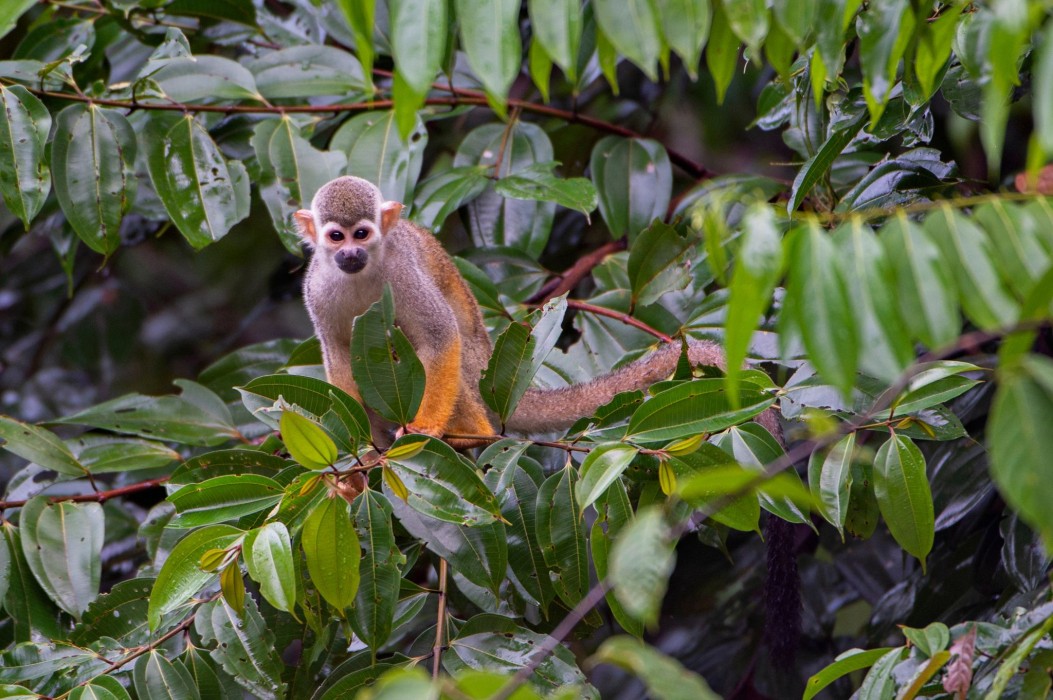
360	243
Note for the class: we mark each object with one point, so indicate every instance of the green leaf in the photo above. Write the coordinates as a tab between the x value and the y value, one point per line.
797	19
930	640
244	647
180	577
6	567
100	688
614	513
446	192
31	611
223	498
1042	90
269	558
91	160
62	544
292	172
497	643
561	535
885	29
441	485
307	442
983	296
863	510
157	678
818	165
517	357
203	193
228	462
934	383
641	562
634	180
103	454
513	482
924	284
709	475
1008	37
360	16
373	612
1020	441
419	29
386	369
119	615
308	71
658	263
849	661
700	406
830	480
38	445
818	304
933	48
749	20
557	26
903	494
10	12
722	51
632	28
168	418
885	347
479	553
754	447
376	152
758	266
205	78
25	178
537	183
516	150
601	467
685	24
240	11
664	677
333	553
490	37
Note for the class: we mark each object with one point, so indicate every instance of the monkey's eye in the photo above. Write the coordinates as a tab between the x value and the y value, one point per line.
362	234
336	236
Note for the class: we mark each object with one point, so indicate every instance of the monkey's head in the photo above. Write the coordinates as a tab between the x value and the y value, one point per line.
346	222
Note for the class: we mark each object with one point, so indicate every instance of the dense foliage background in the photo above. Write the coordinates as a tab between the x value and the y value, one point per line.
847	195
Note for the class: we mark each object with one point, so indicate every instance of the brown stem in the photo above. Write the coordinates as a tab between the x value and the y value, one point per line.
98	496
440	623
618	315
459	97
568	280
494	438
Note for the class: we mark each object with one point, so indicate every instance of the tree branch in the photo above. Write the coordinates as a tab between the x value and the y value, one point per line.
619	316
569	279
98	496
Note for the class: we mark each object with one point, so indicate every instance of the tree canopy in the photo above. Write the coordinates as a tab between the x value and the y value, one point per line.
850	197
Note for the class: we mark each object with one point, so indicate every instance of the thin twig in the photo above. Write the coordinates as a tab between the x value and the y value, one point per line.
569	279
440	622
540	443
98	496
620	316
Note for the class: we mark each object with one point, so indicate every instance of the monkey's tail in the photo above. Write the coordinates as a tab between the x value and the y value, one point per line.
547	410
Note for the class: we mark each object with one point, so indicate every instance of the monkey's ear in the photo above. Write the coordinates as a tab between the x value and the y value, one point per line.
305	226
389	215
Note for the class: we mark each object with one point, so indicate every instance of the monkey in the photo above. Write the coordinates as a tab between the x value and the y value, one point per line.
360	243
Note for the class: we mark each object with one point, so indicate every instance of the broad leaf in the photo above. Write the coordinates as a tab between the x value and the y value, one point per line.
373	612
244	647
157	678
223	498
91	160
664	677
903	494
641	562
180	576
562	538
490	37
38	445
331	547
634	180
633	30
700	406
25	178
308	71
269	558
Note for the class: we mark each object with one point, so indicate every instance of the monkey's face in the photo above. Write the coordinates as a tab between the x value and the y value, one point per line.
350	246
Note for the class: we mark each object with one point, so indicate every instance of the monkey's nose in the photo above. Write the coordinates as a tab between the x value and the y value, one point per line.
351	261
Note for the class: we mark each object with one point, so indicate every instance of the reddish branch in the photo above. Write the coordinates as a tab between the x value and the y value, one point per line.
98	496
618	315
561	284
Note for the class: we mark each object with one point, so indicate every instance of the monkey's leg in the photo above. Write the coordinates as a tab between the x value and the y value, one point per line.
442	376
